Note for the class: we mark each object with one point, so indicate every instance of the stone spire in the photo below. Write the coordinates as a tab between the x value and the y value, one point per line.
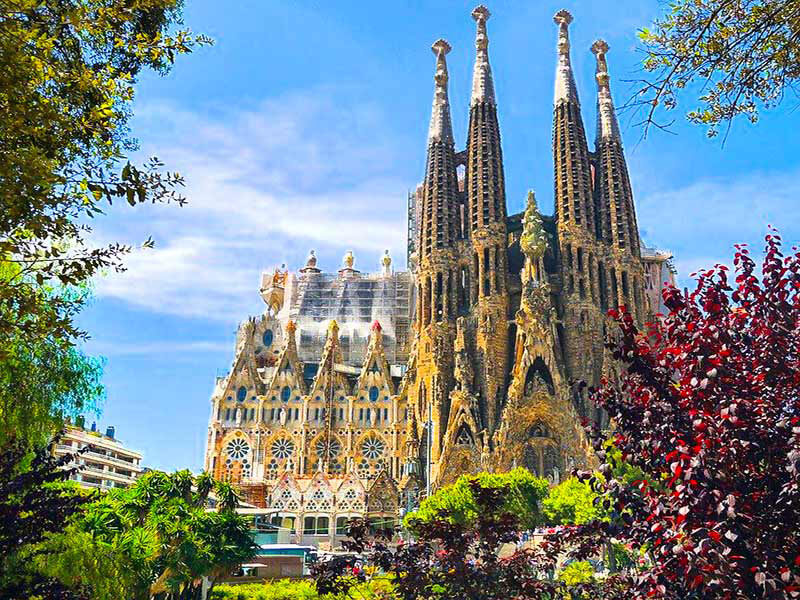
482	83
606	116
486	218
438	221
485	180
616	212
573	180
441	127
565	81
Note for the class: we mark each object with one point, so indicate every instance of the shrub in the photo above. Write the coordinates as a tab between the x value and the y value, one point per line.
288	589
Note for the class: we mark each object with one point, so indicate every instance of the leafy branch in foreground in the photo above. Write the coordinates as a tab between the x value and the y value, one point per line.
68	71
737	56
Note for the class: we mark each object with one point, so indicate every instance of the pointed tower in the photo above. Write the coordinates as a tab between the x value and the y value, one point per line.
436	274
574	207
581	255
438	221
486	202
616	212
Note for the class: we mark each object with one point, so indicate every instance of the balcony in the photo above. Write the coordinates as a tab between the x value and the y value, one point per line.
113	459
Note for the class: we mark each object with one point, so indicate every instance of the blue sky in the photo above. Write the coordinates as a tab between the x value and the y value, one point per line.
304	127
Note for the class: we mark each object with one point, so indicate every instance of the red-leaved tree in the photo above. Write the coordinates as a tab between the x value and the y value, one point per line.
709	408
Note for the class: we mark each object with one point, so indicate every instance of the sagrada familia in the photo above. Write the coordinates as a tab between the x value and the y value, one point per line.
355	392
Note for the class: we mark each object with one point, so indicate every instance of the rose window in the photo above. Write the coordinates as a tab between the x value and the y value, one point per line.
328	449
282	448
373	448
237	449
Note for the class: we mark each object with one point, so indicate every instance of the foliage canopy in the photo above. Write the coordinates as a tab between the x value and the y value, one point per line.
523	493
737	55
35	501
68	70
157	536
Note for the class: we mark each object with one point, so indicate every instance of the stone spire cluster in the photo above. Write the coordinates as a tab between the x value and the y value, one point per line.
595	216
356	388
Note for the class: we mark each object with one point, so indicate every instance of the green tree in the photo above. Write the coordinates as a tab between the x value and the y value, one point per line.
68	70
156	537
571	502
42	379
35	501
523	493
735	56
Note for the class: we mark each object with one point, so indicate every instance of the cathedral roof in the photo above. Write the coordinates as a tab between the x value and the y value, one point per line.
356	301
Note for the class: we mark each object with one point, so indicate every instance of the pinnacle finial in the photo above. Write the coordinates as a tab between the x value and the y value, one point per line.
482	82
333	328
481	13
349	260
440	128
565	83
607	126
600	49
563	17
441	47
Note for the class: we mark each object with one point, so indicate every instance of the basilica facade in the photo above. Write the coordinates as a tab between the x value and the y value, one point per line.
354	391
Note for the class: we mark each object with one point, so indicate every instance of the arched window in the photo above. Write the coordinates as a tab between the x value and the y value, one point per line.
241	394
538	371
315	526
464	437
341	525
373	393
267	338
286	393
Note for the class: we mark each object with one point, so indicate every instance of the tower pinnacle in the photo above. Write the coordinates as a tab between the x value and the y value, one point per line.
606	117
482	84
441	127
565	81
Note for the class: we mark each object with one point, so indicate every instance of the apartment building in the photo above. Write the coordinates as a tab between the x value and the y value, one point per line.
107	463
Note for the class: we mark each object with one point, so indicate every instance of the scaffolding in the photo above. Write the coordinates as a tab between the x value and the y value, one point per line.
355	300
411	222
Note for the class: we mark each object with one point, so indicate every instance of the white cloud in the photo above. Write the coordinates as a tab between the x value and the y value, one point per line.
264	185
268	182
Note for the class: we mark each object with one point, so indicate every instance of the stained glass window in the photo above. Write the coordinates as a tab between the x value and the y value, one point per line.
282	448
373	448
237	449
